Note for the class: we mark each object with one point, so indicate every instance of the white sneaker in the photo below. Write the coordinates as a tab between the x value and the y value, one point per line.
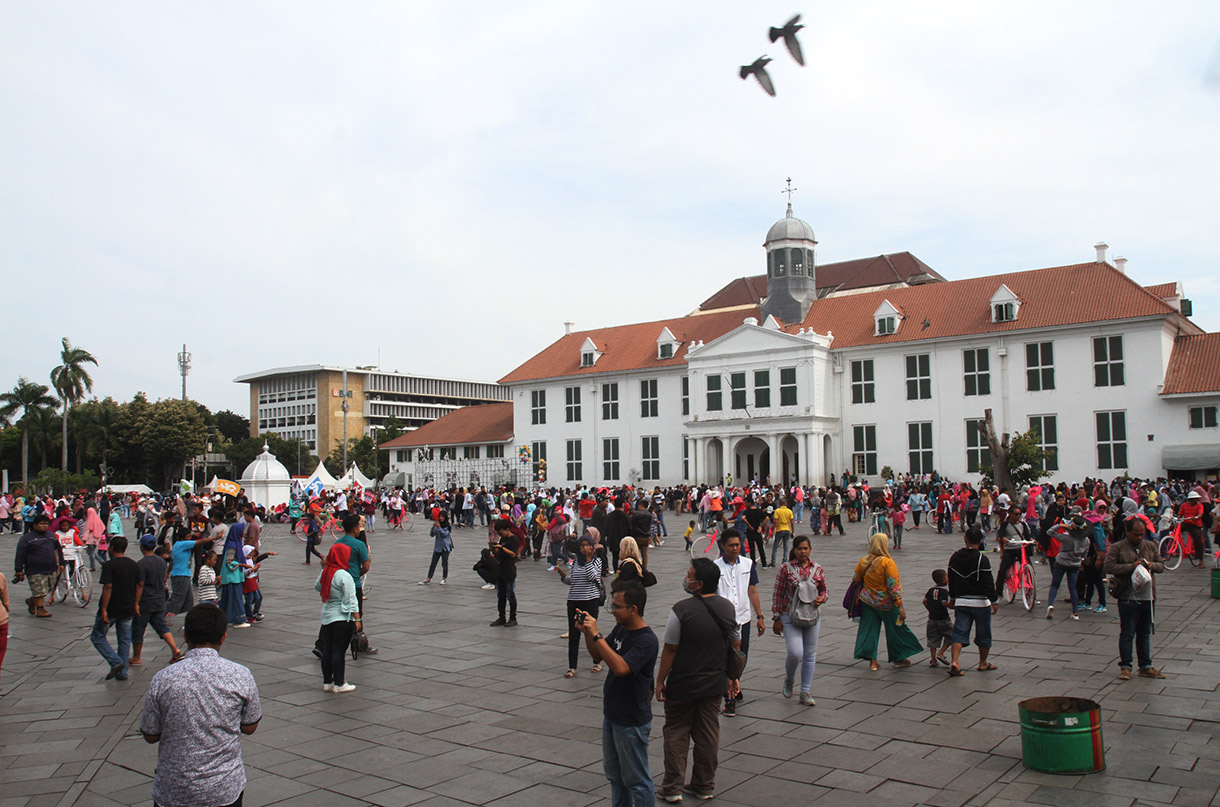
1050	612
807	700
345	688
423	582
242	625
550	568
489	586
328	687
1075	617
444	582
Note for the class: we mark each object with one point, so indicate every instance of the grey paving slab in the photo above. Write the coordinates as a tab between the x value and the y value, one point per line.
452	712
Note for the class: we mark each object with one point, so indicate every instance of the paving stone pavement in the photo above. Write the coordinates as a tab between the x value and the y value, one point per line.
452	712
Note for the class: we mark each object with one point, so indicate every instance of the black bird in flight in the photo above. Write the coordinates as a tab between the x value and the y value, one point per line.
759	69
788	32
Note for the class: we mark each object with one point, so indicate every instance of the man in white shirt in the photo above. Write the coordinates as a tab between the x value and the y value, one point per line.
739	585
341	504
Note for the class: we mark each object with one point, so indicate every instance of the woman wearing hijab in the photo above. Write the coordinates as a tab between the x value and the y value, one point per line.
630	564
233	575
94	532
340	617
881	601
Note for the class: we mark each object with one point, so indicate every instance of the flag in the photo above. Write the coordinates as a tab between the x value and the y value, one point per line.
314	488
227	487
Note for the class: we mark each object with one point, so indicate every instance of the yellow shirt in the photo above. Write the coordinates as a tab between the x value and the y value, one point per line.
689	532
783	519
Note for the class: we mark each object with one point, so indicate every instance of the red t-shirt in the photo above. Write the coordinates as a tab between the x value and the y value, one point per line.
1191	512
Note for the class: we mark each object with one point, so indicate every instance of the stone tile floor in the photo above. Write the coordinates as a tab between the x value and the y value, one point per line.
452	712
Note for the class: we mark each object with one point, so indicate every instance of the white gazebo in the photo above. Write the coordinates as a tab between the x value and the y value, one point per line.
266	480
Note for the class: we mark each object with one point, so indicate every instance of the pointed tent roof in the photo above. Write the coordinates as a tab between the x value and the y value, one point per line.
354	477
322	475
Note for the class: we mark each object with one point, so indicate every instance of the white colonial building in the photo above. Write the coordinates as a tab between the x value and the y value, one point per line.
879	362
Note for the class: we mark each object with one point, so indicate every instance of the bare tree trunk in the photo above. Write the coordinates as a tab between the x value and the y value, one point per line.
64	452
999	453
25	456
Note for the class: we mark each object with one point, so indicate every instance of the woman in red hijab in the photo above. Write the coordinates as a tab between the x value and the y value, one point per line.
340	616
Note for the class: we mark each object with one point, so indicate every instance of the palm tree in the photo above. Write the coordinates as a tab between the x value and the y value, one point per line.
71	381
44	431
27	398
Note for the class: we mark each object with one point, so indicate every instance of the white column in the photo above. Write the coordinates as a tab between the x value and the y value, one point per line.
808	463
777	464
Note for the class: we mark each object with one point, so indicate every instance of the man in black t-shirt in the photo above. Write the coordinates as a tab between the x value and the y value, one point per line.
153	574
693	679
121	590
756	518
506	552
629	652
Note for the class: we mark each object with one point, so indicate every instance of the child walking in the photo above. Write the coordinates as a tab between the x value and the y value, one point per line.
940	626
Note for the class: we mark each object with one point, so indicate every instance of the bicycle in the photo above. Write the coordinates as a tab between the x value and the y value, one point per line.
76	582
1172	547
1021	579
704	545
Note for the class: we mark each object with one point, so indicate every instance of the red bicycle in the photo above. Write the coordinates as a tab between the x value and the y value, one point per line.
1021	579
1173	546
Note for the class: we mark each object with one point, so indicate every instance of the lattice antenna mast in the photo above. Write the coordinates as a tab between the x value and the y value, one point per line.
184	367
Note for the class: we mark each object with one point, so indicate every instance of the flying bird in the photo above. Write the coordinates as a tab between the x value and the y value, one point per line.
759	69
926	324
788	32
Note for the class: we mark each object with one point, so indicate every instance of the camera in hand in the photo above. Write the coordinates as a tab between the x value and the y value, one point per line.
580	618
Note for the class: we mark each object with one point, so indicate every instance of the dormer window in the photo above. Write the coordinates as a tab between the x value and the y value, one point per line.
1005	305
667	344
886	318
589	354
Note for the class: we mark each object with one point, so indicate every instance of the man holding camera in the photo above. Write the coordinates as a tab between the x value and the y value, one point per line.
629	652
1135	597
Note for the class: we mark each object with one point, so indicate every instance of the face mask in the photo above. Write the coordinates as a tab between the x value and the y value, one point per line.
686	587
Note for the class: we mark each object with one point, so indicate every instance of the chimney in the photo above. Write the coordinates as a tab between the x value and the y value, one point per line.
1101	247
1121	263
567	327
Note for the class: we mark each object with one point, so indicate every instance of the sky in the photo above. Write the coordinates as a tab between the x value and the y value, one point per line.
438	186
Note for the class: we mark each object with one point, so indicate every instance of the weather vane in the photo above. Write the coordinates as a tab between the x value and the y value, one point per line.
790	190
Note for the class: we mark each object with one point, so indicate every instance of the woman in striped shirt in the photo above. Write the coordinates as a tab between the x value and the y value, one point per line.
583	580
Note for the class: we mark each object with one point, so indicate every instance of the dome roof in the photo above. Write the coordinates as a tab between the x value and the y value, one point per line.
790	228
265	468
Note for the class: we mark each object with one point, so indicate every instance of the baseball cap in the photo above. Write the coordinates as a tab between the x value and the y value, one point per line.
149	541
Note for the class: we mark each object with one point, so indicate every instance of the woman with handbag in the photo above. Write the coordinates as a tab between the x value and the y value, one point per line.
800	590
881	605
586	592
631	565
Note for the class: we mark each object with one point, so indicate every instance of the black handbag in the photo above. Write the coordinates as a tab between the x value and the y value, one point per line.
735	660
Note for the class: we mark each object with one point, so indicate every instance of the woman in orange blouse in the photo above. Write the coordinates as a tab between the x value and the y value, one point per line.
881	601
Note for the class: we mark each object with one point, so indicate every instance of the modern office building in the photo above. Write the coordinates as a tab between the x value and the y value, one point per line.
306	402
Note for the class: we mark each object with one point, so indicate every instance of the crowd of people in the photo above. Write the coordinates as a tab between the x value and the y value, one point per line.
1098	537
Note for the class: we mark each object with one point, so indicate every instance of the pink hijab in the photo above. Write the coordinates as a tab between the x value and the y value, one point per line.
94	528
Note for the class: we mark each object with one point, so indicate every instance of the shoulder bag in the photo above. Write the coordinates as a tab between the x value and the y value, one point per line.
735	660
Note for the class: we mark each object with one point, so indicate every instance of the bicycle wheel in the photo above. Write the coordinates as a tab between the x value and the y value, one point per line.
1195	551
62	588
1029	594
1011	585
82	586
702	547
408	520
1171	552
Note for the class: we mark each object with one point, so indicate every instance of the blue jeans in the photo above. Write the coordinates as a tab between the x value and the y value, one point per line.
798	510
122	629
802	647
138	625
625	759
1057	573
1135	622
661	522
965	616
781	536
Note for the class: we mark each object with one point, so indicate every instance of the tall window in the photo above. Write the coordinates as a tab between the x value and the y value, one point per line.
652	458
919	377
1039	366
1203	417
919	441
571	404
787	386
610	401
737	390
977	452
575	472
762	389
1046	428
714	395
537	406
685	457
1108	361
648	398
976	367
862	381
470	452
539	453
1111	440
686	395
610	459
864	440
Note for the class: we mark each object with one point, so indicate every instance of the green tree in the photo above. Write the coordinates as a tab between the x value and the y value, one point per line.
27	398
232	426
362	451
393	427
130	462
44	433
170	432
1017	460
98	421
71	381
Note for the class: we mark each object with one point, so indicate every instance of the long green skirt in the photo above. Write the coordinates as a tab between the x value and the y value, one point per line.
900	642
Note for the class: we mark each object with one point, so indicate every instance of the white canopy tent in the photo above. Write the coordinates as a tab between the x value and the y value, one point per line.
355	477
321	477
143	489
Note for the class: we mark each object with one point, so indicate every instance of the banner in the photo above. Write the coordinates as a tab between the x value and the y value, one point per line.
227	487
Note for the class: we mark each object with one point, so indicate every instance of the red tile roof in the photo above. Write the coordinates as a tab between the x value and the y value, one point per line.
485	423
1194	365
1163	289
861	273
1060	295
626	347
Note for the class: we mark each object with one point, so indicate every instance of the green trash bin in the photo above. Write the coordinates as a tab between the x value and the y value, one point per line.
1216	583
1061	735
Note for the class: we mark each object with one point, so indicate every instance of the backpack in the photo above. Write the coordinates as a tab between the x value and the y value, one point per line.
802	612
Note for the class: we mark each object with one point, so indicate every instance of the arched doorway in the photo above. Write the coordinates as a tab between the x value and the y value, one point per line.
751	460
790	460
713	462
828	462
